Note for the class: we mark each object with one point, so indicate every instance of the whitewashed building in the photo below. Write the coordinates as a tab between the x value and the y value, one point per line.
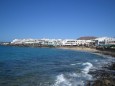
104	40
45	42
25	41
69	42
52	42
86	41
81	42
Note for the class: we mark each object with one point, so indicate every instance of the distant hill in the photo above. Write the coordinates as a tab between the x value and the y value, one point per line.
87	38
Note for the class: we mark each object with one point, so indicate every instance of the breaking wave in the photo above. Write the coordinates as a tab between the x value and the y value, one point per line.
87	68
48	66
62	81
74	79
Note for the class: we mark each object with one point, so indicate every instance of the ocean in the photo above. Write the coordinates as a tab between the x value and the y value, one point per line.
25	66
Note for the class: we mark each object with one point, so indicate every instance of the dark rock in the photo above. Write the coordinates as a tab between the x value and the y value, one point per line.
104	77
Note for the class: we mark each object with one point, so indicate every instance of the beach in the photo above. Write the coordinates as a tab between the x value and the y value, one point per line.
106	76
86	49
90	50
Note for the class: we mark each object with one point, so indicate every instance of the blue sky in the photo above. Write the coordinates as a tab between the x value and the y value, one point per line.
56	18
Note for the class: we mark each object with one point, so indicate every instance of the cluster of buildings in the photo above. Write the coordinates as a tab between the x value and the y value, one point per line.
82	41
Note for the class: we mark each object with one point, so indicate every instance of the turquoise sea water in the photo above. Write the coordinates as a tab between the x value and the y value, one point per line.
22	66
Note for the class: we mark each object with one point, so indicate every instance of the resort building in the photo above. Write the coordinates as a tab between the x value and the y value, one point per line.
24	41
52	42
105	41
69	42
38	42
82	41
86	41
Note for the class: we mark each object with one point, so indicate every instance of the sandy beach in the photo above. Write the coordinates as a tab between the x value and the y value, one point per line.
90	50
85	49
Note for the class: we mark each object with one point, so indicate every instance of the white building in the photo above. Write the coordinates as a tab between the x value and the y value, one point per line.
85	42
24	41
17	41
66	42
104	40
45	42
69	42
81	42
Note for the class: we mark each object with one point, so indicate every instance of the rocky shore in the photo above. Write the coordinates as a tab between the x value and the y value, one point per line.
105	76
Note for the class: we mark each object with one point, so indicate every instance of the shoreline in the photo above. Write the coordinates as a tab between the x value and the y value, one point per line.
106	69
79	49
106	76
90	50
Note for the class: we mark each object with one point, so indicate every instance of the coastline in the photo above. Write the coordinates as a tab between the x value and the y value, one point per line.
85	49
90	50
106	76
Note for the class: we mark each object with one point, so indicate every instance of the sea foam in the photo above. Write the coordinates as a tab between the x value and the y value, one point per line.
74	79
87	68
62	81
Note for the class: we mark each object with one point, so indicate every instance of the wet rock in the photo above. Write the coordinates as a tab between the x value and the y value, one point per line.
104	82
104	77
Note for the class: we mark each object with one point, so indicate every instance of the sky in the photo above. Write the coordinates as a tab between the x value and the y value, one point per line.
56	19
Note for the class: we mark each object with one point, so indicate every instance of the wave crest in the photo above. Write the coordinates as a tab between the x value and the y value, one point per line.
87	68
62	81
